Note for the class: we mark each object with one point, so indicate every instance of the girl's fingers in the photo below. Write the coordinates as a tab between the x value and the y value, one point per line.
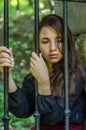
12	55
34	55
37	60
4	52
6	65
4	55
3	48
5	60
11	52
33	61
31	64
40	55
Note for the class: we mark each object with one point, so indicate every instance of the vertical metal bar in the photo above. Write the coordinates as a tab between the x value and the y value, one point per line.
36	5
36	113
6	117
66	74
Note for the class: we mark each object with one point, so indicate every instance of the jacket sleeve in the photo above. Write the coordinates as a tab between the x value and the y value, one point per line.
21	102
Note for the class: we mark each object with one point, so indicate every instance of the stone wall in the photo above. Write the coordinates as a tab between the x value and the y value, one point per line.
77	24
76	15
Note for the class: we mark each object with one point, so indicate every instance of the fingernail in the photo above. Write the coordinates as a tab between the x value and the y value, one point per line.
8	50
12	59
40	54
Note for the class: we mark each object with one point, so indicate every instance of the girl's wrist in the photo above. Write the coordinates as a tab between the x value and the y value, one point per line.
46	91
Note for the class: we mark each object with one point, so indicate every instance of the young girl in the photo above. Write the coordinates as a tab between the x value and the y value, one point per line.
48	70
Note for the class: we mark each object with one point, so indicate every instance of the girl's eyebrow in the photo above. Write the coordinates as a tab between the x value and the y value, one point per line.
59	37
45	38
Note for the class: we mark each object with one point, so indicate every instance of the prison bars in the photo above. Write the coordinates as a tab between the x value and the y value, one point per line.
6	116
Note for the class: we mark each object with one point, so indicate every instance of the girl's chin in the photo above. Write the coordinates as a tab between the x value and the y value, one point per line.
54	61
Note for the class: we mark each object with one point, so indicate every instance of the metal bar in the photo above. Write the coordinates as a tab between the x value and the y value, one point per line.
6	116
36	113
36	5
80	1
66	74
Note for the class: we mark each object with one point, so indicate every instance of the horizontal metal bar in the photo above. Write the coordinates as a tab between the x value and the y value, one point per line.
80	1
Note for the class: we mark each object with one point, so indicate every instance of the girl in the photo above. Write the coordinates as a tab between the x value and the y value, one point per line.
48	70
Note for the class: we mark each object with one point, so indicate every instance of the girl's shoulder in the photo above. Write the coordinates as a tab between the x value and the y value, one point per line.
79	81
78	76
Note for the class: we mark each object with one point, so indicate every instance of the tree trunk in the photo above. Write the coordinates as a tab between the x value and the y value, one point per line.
30	2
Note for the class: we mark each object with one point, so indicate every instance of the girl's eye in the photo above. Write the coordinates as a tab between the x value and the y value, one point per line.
59	41
45	42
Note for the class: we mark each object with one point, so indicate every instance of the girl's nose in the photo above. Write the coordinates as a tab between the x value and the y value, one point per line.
53	46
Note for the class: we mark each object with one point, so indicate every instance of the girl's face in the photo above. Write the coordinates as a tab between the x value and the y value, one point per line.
51	45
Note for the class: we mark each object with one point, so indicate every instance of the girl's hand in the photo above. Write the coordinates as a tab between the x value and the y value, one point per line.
39	70
6	59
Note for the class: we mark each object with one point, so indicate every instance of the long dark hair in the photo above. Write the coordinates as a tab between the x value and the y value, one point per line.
57	76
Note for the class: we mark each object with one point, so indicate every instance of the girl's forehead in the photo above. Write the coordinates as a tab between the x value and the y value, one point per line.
47	30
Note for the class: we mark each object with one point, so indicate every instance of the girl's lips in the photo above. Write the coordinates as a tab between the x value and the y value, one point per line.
53	55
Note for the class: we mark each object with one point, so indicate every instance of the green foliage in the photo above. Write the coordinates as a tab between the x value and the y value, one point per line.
21	123
21	59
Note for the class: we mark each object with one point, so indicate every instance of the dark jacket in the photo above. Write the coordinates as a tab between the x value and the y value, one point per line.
51	108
